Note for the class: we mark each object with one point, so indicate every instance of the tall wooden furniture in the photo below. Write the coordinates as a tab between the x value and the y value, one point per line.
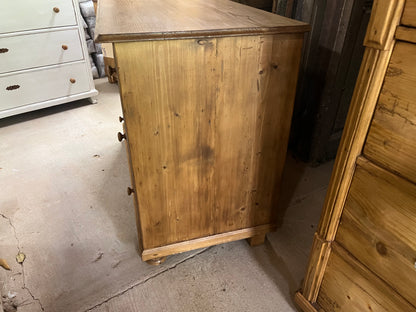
43	56
364	253
207	90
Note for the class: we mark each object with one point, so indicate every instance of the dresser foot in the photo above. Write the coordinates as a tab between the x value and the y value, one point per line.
93	100
256	240
156	261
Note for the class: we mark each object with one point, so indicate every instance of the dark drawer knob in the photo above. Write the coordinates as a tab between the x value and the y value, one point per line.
56	10
13	87
121	136
64	47
130	191
72	80
121	119
4	50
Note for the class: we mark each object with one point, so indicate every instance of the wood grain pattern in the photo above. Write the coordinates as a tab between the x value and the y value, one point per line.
406	34
124	20
206	132
391	141
378	226
167	115
382	26
349	286
206	241
364	100
365	96
304	304
319	255
377	206
409	14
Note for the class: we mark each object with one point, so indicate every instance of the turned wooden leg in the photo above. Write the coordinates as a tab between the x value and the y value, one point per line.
256	240
156	261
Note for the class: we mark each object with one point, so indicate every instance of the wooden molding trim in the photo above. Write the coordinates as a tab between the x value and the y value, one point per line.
406	34
364	100
365	97
304	304
318	259
114	38
167	250
124	20
385	17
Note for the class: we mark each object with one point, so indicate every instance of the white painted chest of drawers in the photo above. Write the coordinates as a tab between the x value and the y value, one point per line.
43	55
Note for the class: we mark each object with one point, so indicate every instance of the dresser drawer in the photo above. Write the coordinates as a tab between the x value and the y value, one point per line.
36	50
348	286
391	140
409	14
378	226
19	15
43	84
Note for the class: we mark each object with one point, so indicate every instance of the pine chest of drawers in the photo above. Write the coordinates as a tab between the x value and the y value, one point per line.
364	253
43	57
207	90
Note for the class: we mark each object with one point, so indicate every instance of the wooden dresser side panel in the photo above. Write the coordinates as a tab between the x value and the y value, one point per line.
348	286
254	111
206	132
391	141
166	89
378	226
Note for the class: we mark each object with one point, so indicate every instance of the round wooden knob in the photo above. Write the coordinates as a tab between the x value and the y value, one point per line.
121	136
121	119
72	80
56	10
64	47
130	191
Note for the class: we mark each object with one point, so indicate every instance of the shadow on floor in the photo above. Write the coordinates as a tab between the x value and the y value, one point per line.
44	112
114	199
276	268
286	252
291	177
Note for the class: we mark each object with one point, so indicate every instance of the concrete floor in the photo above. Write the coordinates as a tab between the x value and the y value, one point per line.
63	203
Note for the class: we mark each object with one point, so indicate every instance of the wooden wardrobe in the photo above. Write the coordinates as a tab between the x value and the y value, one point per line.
364	253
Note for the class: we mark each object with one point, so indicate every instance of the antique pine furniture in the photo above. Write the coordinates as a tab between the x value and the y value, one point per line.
207	89
43	56
364	253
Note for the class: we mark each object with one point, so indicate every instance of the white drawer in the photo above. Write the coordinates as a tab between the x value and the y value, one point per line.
41	49
19	15
43	84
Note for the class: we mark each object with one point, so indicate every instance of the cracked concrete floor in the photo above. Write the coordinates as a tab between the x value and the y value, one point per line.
63	177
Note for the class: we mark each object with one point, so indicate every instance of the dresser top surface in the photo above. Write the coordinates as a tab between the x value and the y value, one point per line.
135	20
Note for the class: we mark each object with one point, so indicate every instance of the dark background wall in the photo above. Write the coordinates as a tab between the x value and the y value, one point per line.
260	4
330	66
331	60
